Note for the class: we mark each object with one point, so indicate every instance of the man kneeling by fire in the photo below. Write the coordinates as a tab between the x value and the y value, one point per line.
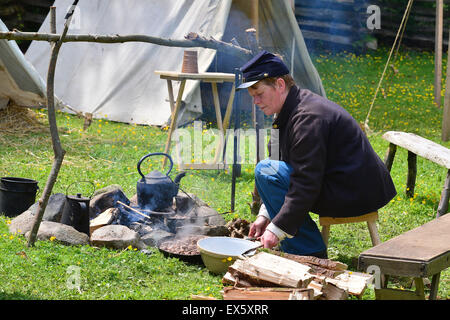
325	164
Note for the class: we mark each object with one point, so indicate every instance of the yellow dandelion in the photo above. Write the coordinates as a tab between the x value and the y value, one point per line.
52	238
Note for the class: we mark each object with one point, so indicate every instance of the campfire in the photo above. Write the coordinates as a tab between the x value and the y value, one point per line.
159	212
179	226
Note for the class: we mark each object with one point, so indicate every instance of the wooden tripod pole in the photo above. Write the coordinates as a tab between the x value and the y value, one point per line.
57	148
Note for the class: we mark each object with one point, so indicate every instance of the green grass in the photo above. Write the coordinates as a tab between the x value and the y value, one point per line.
107	153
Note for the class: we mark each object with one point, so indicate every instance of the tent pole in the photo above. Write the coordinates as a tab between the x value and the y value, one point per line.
236	109
255	18
438	52
446	113
258	123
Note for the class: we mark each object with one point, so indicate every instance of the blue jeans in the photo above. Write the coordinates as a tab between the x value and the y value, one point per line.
272	182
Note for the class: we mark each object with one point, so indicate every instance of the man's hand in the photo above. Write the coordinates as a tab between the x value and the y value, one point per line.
269	239
258	227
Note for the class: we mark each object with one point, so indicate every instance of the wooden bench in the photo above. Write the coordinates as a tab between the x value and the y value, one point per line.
424	148
418	253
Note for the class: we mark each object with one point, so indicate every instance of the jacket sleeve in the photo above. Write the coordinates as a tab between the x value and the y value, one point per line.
307	144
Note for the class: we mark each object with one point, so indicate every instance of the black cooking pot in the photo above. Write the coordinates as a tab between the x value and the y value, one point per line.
155	191
17	195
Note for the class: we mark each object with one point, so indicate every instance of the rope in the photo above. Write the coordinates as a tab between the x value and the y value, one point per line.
405	15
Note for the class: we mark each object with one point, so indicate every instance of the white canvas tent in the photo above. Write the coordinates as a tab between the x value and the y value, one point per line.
117	81
20	84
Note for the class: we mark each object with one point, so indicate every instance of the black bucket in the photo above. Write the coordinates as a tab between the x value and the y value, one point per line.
16	195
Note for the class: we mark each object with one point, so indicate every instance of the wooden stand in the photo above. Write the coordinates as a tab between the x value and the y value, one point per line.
370	218
213	78
418	253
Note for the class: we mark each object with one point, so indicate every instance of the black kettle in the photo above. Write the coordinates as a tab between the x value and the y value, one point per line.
76	211
155	191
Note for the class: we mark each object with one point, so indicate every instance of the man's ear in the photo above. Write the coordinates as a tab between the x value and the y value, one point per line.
281	84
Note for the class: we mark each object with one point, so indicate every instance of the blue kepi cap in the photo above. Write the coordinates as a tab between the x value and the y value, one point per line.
263	65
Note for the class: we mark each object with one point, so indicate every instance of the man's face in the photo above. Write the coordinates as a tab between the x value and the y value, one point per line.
269	99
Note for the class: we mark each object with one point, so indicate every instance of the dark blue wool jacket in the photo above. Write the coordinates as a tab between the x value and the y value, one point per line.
336	171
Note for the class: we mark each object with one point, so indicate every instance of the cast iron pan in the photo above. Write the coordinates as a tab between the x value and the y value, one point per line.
189	258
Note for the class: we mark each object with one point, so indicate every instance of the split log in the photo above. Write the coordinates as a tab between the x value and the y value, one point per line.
191	40
310	260
353	282
272	268
241	280
317	288
302	294
333	292
269	270
103	219
256	293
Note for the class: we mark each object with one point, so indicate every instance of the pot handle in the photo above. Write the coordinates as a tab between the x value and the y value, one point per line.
154	154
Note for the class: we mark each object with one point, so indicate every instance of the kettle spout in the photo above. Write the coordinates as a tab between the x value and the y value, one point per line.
178	177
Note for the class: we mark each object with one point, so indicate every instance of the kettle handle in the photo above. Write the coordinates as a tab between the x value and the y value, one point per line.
93	187
154	154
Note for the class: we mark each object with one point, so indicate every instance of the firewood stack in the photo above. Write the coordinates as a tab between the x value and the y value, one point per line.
238	228
273	275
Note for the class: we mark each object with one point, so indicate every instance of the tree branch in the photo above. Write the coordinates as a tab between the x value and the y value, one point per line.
191	40
57	148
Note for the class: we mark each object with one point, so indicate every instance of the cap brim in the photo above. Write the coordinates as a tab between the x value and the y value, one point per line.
245	85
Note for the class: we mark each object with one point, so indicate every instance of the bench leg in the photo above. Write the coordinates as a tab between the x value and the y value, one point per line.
325	234
419	288
443	203
412	172
434	286
390	154
373	230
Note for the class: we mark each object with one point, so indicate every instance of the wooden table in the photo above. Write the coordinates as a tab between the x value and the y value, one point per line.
418	253
210	77
426	149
